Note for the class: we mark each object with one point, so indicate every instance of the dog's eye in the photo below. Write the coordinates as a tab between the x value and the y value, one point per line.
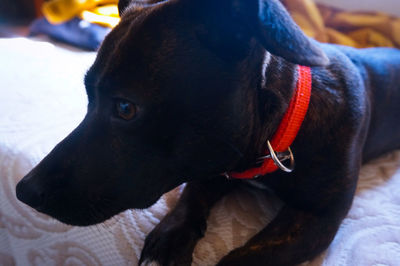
126	110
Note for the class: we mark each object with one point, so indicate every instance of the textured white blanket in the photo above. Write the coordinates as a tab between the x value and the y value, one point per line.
42	99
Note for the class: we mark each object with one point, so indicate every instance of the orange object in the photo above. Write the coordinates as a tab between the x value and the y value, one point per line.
334	25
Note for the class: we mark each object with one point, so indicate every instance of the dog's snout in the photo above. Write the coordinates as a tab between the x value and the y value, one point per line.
29	193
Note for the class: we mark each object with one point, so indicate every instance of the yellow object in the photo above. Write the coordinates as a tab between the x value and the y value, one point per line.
106	15
107	10
337	37
333	25
60	11
104	20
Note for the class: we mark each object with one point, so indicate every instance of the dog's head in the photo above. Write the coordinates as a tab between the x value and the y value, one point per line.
172	98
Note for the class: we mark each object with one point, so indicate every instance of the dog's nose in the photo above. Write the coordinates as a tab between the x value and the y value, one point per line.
29	193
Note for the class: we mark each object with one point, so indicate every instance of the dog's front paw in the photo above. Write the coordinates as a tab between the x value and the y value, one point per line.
171	243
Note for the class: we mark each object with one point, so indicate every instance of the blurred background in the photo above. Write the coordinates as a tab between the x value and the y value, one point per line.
389	6
19	10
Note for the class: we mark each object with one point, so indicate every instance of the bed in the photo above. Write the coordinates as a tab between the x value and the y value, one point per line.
42	99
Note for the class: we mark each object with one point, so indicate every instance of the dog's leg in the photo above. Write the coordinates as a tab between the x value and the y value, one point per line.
173	240
293	237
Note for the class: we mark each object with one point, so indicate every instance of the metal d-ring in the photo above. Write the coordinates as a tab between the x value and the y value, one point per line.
277	162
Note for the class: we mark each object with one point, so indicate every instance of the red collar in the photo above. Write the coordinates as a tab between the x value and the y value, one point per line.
287	131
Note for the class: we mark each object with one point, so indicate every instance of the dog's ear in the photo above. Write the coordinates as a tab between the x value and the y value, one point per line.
280	35
270	23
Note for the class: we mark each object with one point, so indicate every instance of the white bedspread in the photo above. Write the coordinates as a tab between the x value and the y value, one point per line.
42	99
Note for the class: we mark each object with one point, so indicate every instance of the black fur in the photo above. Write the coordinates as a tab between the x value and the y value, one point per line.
193	69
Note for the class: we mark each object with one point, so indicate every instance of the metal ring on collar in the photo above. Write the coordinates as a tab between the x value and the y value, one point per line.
278	163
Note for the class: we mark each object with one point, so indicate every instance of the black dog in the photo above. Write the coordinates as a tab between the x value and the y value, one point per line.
184	90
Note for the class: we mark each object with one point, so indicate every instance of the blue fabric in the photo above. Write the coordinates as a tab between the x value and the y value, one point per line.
76	32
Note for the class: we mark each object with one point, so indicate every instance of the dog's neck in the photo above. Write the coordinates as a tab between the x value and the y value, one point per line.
277	83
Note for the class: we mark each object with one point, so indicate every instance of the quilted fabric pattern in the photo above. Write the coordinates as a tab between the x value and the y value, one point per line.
43	99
